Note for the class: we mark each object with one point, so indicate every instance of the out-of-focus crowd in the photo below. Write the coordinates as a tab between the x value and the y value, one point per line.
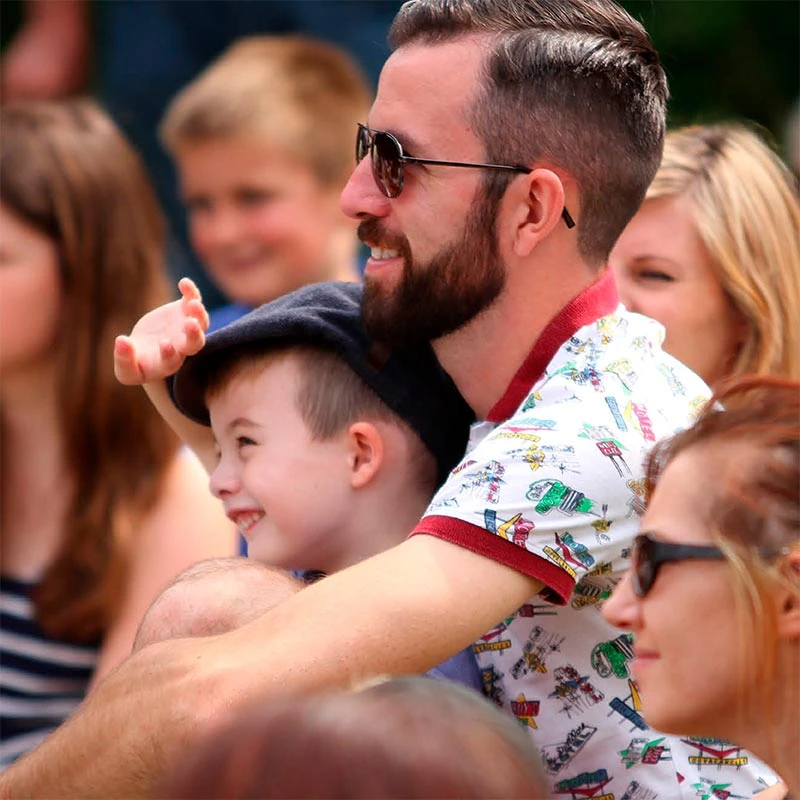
502	400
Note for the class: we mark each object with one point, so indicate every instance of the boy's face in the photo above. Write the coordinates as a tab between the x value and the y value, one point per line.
259	220
289	495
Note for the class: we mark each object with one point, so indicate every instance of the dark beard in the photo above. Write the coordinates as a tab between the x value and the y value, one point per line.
437	298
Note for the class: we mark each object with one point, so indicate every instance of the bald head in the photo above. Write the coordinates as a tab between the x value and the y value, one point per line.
213	597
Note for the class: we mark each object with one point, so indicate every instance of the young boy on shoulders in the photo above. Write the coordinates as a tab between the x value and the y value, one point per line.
324	447
262	146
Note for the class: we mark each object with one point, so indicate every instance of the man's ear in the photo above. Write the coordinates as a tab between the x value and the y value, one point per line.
539	210
365	453
789	609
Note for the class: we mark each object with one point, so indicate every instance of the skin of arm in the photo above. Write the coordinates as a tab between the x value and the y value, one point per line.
187	525
155	349
49	56
402	611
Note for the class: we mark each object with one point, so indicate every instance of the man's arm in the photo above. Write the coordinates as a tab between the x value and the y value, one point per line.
155	349
402	611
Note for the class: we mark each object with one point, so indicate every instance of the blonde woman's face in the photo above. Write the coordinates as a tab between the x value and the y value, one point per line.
663	271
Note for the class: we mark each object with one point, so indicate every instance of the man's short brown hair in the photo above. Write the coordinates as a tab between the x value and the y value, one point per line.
573	82
302	95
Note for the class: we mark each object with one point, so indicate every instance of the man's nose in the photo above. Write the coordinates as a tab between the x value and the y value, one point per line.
361	197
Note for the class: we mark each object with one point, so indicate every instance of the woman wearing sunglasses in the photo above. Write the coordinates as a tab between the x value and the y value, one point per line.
713	595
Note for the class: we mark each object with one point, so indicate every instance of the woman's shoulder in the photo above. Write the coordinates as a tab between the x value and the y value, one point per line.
185	501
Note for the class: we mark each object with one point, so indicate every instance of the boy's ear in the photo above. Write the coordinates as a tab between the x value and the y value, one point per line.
365	453
789	610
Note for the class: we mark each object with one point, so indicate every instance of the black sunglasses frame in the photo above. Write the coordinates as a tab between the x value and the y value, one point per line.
366	140
644	571
648	554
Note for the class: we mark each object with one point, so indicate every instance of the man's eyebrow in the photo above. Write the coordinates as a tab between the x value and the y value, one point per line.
409	144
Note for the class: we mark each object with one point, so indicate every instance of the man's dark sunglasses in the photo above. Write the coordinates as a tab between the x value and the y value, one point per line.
387	160
649	554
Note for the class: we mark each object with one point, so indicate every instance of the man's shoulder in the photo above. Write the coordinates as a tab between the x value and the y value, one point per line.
615	368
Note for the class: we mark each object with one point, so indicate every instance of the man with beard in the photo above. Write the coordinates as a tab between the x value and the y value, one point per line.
509	144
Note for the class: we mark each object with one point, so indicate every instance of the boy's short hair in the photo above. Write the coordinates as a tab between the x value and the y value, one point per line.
330	396
302	95
409	384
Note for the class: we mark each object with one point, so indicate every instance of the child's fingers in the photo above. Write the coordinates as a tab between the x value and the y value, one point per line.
167	351
195	336
171	358
188	289
197	311
126	369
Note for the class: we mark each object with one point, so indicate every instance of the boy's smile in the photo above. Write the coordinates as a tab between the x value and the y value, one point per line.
288	493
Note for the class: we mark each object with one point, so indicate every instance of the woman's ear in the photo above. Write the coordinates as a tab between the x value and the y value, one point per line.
789	610
365	453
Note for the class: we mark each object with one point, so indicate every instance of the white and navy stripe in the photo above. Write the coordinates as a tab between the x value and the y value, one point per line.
42	680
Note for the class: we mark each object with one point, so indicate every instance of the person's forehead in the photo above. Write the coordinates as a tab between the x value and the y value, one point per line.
425	91
684	497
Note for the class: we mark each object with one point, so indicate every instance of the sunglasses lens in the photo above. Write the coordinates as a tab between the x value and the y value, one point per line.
386	165
362	144
643	567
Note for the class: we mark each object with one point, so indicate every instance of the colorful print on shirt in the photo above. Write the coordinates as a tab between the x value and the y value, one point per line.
561	481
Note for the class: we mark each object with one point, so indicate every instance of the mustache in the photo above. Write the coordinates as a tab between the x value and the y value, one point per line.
372	232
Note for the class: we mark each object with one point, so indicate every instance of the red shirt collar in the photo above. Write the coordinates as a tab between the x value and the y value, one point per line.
598	300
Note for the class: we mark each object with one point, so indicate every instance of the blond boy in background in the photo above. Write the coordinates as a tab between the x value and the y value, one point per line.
262	145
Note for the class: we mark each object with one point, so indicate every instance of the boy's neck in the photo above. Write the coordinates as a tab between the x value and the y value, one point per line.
384	514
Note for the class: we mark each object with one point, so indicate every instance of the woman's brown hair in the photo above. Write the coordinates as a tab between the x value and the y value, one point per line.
66	170
754	513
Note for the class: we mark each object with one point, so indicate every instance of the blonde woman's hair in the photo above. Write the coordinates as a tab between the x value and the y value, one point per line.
298	94
744	202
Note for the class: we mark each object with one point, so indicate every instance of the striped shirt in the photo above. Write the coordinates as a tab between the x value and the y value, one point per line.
42	680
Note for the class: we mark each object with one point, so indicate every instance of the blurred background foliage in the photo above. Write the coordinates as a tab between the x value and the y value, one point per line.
727	59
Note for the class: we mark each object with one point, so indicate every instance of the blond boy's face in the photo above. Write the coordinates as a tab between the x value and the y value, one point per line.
259	220
289	494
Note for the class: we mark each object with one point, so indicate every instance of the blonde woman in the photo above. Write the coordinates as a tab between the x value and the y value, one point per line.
713	595
714	254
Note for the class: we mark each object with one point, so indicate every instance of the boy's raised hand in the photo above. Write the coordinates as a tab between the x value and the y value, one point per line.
162	339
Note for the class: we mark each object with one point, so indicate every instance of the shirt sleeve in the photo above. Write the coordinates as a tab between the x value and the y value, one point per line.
541	495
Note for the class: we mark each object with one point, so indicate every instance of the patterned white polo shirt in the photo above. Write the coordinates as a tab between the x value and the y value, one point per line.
553	486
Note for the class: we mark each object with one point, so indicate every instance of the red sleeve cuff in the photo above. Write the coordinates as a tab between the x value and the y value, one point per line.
558	584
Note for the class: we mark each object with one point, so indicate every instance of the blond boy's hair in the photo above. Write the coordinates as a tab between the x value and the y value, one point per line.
302	95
